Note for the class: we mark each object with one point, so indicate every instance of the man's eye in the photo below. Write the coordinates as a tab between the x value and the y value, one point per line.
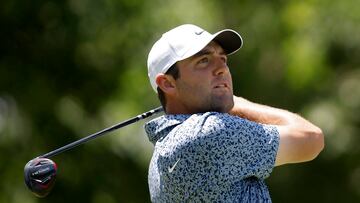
204	60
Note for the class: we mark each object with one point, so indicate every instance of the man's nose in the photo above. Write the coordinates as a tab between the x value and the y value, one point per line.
220	65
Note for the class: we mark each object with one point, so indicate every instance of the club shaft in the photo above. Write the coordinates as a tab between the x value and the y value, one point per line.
102	132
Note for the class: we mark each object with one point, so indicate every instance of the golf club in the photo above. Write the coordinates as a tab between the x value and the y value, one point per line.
40	172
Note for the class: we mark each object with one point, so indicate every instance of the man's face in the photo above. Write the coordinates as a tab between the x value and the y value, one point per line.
205	82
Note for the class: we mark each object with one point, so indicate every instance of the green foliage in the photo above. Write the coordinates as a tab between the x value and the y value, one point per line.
70	68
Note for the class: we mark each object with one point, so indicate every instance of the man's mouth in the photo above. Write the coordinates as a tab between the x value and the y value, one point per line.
222	85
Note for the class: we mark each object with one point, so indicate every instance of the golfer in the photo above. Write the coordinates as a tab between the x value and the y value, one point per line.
212	146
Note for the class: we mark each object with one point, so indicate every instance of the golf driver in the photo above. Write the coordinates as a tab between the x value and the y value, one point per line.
40	172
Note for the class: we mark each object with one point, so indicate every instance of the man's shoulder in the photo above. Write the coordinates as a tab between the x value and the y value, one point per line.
192	120
180	118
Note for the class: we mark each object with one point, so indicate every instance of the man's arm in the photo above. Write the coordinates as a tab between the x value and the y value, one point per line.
300	140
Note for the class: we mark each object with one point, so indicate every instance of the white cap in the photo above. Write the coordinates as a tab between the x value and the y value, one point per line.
183	42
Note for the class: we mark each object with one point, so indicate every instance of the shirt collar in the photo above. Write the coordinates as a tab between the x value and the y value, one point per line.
159	127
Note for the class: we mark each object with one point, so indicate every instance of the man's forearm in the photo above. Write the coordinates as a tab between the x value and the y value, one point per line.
265	114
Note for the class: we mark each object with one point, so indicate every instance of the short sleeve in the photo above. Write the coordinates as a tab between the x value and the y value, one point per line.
239	148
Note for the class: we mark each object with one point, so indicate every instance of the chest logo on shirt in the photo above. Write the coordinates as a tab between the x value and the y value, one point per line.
171	169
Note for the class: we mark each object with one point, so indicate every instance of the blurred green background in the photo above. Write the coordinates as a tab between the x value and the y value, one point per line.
70	68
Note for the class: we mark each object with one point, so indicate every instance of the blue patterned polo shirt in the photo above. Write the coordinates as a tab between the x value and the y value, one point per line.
210	157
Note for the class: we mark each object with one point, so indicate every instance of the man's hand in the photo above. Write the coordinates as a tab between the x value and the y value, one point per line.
300	140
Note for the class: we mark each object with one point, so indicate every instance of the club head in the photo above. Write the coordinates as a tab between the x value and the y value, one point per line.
40	175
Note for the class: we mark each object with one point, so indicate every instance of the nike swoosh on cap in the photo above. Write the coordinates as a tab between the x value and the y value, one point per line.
199	32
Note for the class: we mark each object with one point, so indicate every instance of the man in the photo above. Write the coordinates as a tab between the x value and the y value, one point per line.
212	146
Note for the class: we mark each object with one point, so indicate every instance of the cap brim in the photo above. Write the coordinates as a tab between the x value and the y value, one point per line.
229	40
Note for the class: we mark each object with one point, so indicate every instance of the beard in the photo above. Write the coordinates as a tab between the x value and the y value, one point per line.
200	99
212	103
222	104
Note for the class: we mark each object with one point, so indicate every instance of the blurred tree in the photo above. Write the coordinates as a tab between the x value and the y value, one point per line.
70	68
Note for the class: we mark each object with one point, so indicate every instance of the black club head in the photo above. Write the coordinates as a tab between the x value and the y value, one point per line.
40	175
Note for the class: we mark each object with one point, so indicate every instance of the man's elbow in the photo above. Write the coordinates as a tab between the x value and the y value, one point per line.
316	143
299	144
320	140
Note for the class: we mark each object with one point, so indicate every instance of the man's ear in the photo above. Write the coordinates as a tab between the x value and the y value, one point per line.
166	83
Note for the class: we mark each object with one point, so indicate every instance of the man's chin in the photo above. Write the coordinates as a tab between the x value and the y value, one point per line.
224	106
